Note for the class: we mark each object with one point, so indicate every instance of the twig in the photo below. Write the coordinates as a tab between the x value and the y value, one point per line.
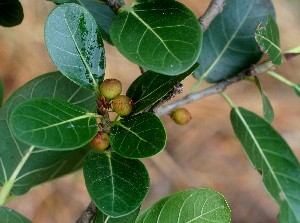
113	4
88	214
215	89
215	7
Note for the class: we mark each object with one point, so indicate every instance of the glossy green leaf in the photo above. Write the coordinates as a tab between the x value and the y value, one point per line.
53	124
191	206
162	36
117	185
297	89
149	87
138	136
75	45
8	215
271	155
103	15
229	44
11	13
42	165
269	40
102	218
1	91
267	106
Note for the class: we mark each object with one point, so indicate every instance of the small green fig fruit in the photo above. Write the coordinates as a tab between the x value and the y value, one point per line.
110	88
100	141
181	116
122	105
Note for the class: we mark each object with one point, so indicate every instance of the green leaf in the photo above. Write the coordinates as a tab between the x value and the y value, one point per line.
53	124
197	206
42	165
267	106
1	91
117	185
102	218
138	136
103	15
269	40
229	44
75	45
162	36
271	155
297	89
149	87
11	13
8	215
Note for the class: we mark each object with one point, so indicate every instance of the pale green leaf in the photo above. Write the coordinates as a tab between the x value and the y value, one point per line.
269	40
75	45
191	206
42	165
229	44
162	36
102	13
116	185
138	136
295	50
8	215
271	155
267	106
53	124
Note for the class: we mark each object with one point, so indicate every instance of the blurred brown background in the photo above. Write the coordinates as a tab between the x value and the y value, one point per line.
205	153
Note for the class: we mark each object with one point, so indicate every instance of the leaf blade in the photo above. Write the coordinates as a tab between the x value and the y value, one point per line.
11	13
267	106
269	153
138	136
112	179
102	218
269	40
196	205
11	216
53	124
149	87
158	45
78	39
42	165
229	45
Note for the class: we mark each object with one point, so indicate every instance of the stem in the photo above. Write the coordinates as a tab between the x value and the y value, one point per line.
88	214
10	183
227	98
214	89
215	7
281	78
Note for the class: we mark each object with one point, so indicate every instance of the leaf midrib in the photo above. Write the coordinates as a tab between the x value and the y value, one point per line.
87	115
211	67
80	54
262	154
131	11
